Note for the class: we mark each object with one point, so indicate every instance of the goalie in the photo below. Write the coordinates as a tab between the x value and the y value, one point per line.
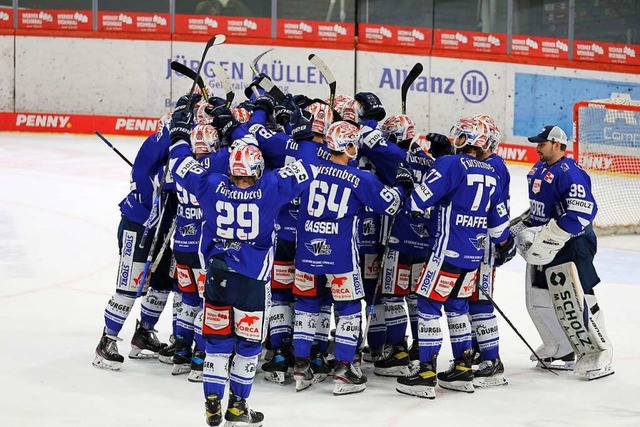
556	239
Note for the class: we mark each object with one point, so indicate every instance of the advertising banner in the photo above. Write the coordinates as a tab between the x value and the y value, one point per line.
54	19
231	26
613	53
394	35
319	31
539	47
470	41
134	22
6	17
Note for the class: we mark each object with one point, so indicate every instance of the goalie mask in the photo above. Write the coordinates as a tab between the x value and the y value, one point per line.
202	117
341	135
241	114
246	160
322	117
470	132
494	130
398	128
347	107
204	139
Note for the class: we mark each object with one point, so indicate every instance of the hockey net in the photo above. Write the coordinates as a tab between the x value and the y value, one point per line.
607	145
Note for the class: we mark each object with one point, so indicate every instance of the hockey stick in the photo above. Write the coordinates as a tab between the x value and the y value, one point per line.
188	72
406	84
214	41
163	248
504	316
106	141
254	68
225	81
328	75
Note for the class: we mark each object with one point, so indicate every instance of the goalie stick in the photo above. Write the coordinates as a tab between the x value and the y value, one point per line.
214	41
328	75
406	84
179	67
225	81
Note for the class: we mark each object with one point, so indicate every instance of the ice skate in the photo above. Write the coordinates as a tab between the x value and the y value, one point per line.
181	359
238	413
320	368
459	376
490	373
371	355
145	343
396	364
302	373
564	363
275	370
165	355
213	410
107	355
197	366
595	365
348	379
421	382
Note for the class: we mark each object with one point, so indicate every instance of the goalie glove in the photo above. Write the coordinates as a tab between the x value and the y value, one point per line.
546	244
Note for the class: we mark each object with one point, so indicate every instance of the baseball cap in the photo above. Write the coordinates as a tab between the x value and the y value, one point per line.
551	133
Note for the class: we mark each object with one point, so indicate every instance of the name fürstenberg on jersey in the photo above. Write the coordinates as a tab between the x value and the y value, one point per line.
471	163
339	173
237	194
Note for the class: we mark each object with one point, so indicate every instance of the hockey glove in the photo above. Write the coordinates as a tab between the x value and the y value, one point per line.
546	244
224	121
302	101
404	178
249	106
440	145
182	119
265	102
506	252
301	125
248	91
283	111
216	101
371	106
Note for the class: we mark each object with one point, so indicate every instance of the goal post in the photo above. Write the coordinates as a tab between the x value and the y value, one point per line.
607	145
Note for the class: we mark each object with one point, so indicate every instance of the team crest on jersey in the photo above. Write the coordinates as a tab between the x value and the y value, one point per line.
532	170
565	167
549	177
318	247
420	230
479	241
536	186
189	230
368	227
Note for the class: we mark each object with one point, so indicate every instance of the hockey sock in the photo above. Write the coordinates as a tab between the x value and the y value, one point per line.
304	325
485	325
323	326
281	318
378	329
347	329
216	365
395	317
197	330
186	320
243	367
177	306
116	312
412	308
457	310
152	305
429	331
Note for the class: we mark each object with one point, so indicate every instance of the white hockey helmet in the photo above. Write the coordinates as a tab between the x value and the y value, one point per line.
347	107
494	130
246	160
322	117
341	135
204	139
475	132
398	128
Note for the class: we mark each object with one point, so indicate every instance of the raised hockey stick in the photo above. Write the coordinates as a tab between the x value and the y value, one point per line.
225	81
254	68
406	84
179	67
106	141
504	316
328	75
214	41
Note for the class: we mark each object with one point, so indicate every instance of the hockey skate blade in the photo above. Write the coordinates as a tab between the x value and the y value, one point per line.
140	354
303	384
395	371
464	386
107	365
340	388
421	391
276	377
318	378
195	376
241	424
168	360
181	369
492	381
557	365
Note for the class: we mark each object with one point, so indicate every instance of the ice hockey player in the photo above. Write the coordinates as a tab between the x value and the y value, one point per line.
240	211
484	324
559	246
327	254
463	189
139	209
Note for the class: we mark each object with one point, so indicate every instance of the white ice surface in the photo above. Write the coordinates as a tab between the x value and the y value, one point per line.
58	221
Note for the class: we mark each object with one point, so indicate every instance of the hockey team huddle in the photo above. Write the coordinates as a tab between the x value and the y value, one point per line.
274	219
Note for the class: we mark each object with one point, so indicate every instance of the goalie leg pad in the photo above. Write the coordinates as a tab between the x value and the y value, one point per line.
596	365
